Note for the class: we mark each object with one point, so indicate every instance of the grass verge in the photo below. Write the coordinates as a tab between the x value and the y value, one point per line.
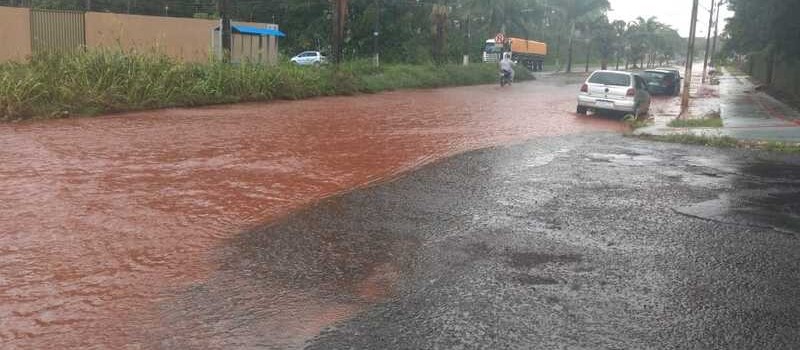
696	123
636	123
725	142
96	82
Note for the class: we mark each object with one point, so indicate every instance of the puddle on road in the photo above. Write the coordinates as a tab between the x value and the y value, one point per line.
282	284
767	196
776	211
106	220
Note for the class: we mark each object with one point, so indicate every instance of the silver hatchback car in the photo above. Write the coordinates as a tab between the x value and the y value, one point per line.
614	91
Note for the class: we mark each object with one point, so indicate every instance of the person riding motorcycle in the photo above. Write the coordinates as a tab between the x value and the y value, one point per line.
507	66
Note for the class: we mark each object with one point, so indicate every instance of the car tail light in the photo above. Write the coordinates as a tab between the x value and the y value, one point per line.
631	92
585	88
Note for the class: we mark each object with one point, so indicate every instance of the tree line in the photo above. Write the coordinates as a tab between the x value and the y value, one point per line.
770	27
421	31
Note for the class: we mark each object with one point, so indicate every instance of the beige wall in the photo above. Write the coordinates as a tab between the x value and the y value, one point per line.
182	38
185	39
15	34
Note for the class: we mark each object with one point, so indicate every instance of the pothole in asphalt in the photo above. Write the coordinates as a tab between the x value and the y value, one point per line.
776	210
533	280
623	159
478	250
526	260
546	159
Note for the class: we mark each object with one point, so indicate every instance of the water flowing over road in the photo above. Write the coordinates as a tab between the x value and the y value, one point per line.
104	220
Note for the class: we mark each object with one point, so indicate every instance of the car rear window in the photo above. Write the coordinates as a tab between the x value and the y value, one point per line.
656	75
608	78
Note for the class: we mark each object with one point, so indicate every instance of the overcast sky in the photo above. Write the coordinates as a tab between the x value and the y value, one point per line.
676	13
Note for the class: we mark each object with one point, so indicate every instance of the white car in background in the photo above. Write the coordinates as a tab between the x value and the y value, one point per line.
614	91
309	58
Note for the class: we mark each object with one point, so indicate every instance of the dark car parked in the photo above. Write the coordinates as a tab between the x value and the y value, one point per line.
663	81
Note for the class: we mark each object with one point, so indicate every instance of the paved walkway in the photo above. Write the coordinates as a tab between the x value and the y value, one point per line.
747	114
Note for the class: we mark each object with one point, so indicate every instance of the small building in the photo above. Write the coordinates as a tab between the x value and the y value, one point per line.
250	42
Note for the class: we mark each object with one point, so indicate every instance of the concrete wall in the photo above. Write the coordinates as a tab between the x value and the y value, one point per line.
186	39
15	34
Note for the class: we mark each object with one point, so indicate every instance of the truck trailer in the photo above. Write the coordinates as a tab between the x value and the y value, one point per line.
528	53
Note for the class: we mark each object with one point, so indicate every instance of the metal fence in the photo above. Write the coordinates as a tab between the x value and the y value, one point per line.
57	31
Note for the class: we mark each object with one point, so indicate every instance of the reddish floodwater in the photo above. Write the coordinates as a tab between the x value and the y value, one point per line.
102	219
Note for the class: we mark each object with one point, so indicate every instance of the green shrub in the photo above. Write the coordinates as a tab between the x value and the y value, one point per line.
94	82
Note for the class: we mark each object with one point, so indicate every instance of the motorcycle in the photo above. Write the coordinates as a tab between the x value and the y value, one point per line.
505	78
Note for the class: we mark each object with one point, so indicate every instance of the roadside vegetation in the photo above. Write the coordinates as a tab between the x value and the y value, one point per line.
725	142
712	120
636	123
90	83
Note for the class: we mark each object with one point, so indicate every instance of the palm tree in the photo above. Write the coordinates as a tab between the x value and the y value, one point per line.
619	28
504	16
647	30
573	11
439	18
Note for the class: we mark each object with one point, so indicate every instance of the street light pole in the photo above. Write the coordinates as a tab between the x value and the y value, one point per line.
687	83
708	39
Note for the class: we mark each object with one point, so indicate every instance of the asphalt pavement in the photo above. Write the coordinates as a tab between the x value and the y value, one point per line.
595	241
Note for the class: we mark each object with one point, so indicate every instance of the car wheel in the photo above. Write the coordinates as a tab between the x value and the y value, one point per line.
582	110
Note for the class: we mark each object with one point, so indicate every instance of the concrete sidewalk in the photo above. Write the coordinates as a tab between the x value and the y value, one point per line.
747	114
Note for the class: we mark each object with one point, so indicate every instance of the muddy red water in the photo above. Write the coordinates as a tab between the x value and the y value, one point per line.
103	220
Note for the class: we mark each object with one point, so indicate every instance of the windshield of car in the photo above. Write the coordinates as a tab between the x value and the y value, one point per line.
492	48
609	78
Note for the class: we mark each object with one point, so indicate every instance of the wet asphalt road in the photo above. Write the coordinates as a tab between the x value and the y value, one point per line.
579	242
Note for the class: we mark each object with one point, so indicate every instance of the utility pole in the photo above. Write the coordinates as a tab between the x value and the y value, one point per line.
708	39
716	32
687	83
337	34
225	29
467	41
571	35
377	33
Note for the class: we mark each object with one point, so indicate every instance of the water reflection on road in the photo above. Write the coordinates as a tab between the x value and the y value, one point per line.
108	224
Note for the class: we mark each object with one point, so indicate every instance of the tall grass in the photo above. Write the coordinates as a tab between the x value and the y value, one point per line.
89	83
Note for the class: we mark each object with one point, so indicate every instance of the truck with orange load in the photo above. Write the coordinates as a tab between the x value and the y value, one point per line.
528	53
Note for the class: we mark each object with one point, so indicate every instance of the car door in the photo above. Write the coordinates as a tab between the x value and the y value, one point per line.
305	57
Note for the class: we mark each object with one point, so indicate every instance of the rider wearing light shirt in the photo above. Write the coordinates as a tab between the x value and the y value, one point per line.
507	65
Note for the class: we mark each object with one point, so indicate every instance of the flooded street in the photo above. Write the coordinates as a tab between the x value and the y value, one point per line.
105	222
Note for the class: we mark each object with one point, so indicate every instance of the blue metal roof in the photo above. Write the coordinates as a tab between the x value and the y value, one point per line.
257	31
